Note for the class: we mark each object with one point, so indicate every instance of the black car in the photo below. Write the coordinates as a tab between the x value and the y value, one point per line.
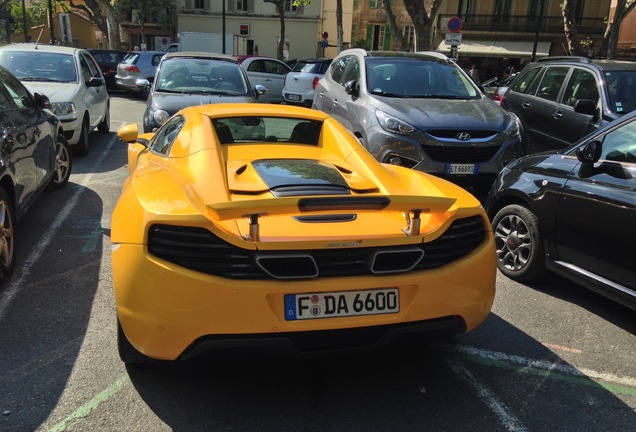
35	156
108	60
559	100
195	78
573	212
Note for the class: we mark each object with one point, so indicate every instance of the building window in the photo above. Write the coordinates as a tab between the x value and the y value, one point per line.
465	9
241	5
199	4
378	38
502	10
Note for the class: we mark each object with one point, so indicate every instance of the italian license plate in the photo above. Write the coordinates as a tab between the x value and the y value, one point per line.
340	304
293	97
456	169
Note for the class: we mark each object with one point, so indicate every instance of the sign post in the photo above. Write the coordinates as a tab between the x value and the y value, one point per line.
454	38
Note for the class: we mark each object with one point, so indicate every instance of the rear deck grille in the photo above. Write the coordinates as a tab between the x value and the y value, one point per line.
199	250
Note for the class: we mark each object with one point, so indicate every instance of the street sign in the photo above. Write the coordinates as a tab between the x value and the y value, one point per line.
454	25
453	39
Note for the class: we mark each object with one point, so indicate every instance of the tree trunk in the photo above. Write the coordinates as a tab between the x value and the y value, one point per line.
570	29
422	22
339	24
397	33
281	16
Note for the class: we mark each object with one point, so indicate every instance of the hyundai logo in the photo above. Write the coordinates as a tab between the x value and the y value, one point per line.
463	136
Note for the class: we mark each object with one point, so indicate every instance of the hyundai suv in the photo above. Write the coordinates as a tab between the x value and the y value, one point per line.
421	111
562	99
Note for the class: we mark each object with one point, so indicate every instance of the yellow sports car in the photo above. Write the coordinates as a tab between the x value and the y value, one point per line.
269	225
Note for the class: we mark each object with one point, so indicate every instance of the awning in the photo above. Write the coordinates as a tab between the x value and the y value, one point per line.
498	48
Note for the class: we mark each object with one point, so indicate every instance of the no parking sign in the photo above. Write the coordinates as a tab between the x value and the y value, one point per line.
454	25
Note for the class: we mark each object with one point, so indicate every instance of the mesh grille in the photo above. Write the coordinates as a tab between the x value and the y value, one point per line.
460	154
199	250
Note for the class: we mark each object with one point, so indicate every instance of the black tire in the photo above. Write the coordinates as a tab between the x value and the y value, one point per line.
63	164
81	148
7	236
104	126
127	353
518	243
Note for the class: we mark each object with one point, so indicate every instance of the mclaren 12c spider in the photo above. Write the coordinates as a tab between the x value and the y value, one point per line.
271	226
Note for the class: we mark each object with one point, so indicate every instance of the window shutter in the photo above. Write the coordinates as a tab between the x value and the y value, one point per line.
206	5
374	4
369	36
188	4
231	6
250	6
387	39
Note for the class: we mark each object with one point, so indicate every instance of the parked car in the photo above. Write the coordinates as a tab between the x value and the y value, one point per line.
138	65
108	61
421	111
559	100
268	72
189	78
573	212
495	88
72	81
269	225
35	156
300	84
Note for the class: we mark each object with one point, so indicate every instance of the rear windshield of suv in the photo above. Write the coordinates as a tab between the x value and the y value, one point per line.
312	67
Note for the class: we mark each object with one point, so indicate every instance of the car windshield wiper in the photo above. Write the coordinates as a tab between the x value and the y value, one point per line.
37	79
388	94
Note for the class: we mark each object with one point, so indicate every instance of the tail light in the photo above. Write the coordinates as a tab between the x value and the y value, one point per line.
496	96
314	83
132	68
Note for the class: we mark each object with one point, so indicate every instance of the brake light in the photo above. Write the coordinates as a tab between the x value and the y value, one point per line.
132	68
314	83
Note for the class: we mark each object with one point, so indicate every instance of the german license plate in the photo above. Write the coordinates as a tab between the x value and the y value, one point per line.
456	169
340	304
293	97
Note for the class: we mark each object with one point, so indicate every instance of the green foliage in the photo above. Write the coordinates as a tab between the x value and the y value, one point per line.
36	14
154	11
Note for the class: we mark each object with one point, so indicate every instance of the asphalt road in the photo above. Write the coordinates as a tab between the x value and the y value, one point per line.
551	357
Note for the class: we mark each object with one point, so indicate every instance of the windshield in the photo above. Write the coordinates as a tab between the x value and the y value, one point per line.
417	78
197	75
621	88
43	66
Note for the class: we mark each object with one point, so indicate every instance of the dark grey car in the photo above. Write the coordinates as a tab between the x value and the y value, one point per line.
195	78
562	99
421	111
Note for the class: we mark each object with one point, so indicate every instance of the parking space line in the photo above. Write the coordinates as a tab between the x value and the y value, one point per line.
508	420
22	273
89	406
557	371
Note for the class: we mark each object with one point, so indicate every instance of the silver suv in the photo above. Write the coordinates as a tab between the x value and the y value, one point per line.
421	111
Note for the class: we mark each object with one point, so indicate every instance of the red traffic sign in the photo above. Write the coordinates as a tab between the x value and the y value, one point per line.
454	24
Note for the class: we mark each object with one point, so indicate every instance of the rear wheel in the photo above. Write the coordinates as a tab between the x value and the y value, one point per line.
518	243
127	353
7	239
63	164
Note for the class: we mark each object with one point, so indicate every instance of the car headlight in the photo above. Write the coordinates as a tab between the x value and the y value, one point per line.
513	130
62	108
391	124
160	117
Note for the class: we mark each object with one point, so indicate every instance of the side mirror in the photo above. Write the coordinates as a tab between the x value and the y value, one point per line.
42	101
142	83
351	87
259	90
586	106
590	153
95	82
128	133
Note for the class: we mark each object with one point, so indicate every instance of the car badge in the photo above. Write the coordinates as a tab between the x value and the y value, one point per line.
463	136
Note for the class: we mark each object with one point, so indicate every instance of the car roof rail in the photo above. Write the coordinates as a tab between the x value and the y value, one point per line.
579	59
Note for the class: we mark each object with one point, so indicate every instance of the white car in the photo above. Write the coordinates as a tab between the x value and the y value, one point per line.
72	81
301	82
268	72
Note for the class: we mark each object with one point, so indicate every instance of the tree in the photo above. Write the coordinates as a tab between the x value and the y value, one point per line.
104	15
280	7
339	30
422	21
398	35
577	46
613	27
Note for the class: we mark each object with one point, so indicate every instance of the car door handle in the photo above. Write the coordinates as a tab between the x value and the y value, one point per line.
526	105
557	114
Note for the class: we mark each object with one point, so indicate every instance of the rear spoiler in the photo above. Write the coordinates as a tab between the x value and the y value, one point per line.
413	205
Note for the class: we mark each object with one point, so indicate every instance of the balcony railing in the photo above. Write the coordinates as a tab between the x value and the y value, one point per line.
521	24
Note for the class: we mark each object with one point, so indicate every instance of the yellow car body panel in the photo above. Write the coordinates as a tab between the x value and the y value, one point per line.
197	182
